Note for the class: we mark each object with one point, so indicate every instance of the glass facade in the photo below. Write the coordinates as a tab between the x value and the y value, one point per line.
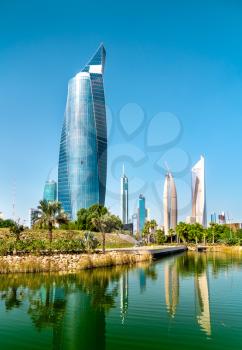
142	213
124	199
83	149
50	191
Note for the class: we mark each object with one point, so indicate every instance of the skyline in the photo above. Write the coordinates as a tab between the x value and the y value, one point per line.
197	78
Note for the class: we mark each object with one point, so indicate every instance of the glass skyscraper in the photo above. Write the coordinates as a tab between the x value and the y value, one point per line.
142	213
83	149
50	191
124	198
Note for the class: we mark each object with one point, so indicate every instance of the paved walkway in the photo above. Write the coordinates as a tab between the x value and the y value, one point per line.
154	251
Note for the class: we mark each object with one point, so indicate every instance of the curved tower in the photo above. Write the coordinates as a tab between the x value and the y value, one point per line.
199	211
170	203
83	148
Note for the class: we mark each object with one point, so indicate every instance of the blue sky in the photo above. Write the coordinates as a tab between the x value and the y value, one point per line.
173	84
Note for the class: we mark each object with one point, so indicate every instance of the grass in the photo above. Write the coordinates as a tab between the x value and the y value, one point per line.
67	263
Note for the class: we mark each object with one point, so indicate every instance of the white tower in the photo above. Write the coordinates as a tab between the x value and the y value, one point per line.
199	210
170	203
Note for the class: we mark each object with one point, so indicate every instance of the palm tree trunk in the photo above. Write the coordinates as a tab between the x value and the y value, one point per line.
50	232
104	242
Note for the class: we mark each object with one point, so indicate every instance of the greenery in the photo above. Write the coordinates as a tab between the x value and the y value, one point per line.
6	223
16	229
50	214
106	223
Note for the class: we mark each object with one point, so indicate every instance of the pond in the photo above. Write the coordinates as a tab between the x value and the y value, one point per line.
187	301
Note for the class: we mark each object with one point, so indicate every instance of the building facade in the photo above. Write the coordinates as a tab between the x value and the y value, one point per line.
199	210
124	199
83	148
50	191
170	204
142	213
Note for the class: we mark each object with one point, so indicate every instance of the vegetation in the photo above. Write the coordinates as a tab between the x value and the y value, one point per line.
106	223
6	223
16	229
50	215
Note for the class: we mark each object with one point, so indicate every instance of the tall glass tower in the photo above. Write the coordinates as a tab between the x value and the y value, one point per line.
83	147
142	213
124	199
50	191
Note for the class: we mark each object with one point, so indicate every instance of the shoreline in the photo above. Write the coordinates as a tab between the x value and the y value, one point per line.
68	262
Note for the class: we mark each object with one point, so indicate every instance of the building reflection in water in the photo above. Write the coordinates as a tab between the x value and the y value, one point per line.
202	302
172	286
124	295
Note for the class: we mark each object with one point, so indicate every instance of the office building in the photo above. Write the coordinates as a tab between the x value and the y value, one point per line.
124	199
142	213
83	148
50	191
170	204
199	212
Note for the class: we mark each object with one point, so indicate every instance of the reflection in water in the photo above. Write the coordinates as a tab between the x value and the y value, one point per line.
124	295
72	311
171	287
202	291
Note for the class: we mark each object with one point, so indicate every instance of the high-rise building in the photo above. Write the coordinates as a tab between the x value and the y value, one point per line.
199	211
142	213
170	204
83	147
213	219
50	191
124	198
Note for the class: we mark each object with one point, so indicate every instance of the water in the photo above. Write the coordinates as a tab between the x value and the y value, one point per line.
190	301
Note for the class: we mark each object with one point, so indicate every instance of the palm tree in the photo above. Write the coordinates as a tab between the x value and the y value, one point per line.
105	224
50	214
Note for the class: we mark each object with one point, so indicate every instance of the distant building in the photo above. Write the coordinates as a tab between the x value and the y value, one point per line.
199	210
170	204
135	223
50	191
124	198
213	218
190	220
234	226
129	227
33	215
142	213
222	218
1	216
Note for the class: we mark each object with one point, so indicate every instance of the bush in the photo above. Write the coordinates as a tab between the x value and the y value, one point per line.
66	245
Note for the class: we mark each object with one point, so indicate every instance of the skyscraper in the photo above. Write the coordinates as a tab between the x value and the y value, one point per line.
142	213
50	191
199	211
170	204
83	147
124	199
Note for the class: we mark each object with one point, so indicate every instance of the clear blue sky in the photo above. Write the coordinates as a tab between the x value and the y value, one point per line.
173	85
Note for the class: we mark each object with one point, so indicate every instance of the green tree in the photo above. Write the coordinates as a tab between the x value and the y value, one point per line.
6	223
149	229
51	214
182	231
85	216
16	229
160	236
195	232
106	223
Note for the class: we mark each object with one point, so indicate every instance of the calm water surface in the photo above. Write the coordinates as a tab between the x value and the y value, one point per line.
190	301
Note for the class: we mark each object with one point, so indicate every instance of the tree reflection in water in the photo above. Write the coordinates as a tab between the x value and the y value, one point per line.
73	308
